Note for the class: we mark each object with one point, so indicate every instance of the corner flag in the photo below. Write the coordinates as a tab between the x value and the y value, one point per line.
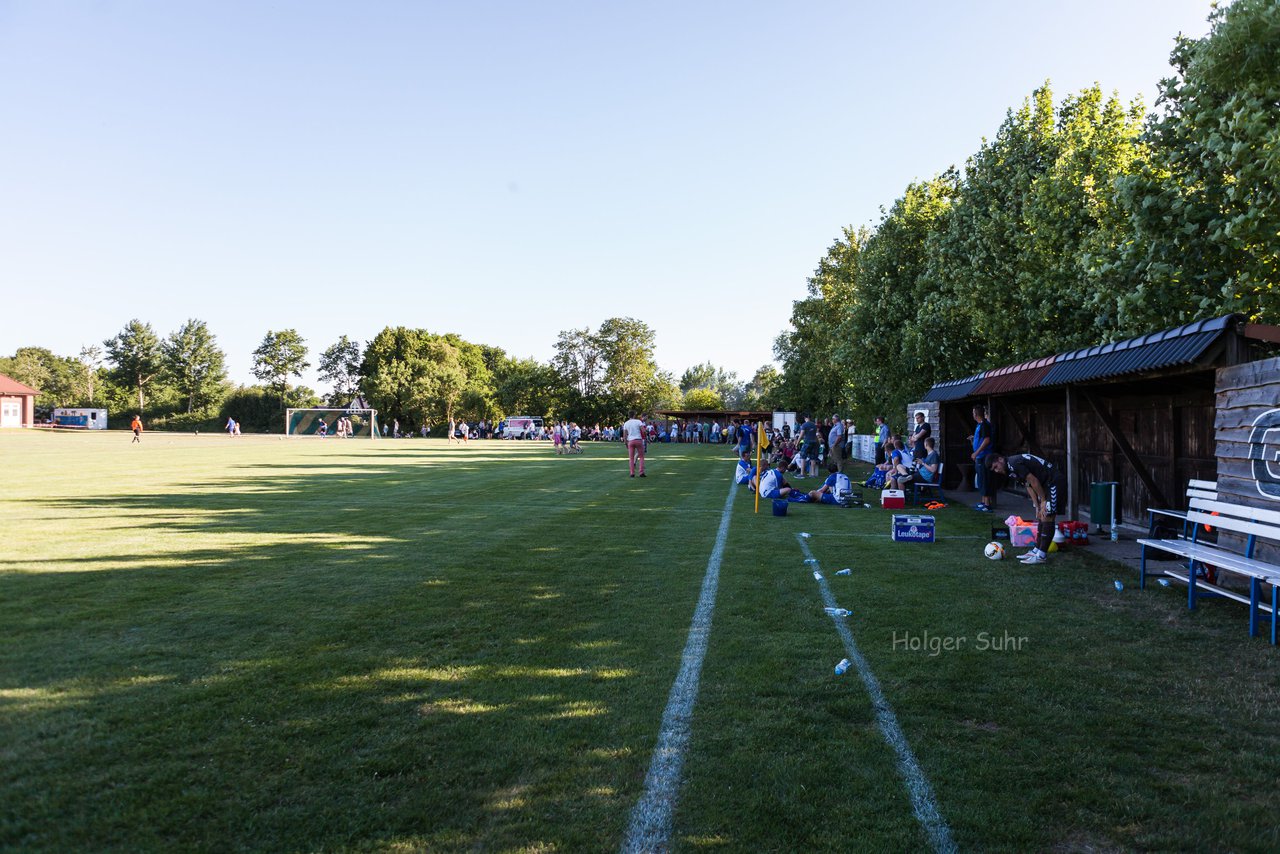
761	441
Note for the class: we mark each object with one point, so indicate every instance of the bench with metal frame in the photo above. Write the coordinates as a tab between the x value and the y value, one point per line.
1254	524
1195	489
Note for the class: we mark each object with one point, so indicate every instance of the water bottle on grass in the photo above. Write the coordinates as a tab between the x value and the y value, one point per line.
842	666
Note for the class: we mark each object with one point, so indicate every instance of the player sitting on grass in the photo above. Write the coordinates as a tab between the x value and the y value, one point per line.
744	473
835	488
771	484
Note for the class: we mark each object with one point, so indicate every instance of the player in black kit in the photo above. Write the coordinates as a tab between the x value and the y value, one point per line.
1046	485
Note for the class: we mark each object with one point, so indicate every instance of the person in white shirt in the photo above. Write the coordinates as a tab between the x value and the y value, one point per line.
633	435
770	483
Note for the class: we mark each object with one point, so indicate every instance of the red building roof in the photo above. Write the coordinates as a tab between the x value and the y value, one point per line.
8	385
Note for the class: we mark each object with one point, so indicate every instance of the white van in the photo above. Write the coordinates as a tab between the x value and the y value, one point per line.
522	427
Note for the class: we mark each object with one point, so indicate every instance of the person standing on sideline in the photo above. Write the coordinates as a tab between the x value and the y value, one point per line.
744	440
808	448
983	445
633	435
882	439
835	441
136	427
922	432
453	427
1047	487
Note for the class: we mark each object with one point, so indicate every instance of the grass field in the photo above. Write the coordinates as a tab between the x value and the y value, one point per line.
216	644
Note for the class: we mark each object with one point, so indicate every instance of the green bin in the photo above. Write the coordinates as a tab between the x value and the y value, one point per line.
1100	503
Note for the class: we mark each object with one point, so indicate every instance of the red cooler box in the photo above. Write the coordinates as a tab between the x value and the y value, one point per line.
893	499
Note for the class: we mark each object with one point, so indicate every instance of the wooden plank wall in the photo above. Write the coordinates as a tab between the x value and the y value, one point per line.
1172	434
1248	403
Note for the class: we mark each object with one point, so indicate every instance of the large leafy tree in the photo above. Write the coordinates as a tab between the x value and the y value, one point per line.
814	380
340	366
414	375
527	386
1205	210
57	378
136	355
195	365
281	355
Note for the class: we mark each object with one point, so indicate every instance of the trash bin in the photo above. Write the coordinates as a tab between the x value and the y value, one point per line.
1101	496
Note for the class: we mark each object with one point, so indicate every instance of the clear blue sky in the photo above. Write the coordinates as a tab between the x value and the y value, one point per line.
503	170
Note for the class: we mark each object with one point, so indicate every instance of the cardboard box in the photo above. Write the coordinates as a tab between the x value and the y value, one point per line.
912	529
894	499
1023	533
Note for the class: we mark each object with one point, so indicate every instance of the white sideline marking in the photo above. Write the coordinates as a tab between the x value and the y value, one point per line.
650	828
923	802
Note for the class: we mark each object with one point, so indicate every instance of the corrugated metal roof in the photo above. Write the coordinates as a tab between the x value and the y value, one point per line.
1182	345
1015	377
953	389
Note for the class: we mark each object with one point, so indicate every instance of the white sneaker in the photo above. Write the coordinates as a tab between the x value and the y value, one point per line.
1033	556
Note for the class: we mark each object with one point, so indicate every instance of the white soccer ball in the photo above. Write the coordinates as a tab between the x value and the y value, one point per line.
995	551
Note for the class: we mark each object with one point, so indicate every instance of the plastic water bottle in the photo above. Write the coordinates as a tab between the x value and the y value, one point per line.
845	571
1164	582
842	666
1119	586
811	560
838	612
804	535
817	576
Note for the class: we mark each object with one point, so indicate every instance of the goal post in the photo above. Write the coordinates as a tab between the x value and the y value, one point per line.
307	422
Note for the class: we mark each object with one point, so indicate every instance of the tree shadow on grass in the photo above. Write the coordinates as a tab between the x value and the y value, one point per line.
374	667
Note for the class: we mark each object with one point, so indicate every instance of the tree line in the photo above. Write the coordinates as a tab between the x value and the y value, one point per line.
414	376
1081	221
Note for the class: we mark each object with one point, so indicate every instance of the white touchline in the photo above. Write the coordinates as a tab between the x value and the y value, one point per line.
650	827
923	802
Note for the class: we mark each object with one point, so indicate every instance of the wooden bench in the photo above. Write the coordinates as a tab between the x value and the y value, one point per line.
1195	489
1254	524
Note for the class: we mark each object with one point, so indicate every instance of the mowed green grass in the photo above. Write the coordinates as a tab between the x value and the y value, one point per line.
214	644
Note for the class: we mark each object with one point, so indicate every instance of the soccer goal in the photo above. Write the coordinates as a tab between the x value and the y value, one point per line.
324	422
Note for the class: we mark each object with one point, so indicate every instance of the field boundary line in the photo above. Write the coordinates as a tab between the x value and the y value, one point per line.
650	826
923	801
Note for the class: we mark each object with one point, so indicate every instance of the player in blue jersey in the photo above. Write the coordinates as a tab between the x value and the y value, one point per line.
836	487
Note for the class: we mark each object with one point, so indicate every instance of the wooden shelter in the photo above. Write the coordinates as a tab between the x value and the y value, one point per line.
1141	412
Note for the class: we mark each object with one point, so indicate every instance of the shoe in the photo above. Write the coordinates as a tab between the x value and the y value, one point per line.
633	475
1033	556
982	508
642	474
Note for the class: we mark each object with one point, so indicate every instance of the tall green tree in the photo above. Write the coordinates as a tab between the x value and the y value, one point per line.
57	378
1205	210
90	358
340	366
813	380
195	365
281	355
135	352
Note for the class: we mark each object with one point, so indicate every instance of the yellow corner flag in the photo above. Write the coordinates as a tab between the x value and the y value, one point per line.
760	443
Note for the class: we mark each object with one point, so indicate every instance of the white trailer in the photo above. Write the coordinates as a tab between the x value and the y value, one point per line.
80	419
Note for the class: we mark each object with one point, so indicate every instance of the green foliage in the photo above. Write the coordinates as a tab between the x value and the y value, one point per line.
340	366
610	374
281	355
527	387
419	378
1205	211
58	379
195	366
722	383
135	353
702	398
812	379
